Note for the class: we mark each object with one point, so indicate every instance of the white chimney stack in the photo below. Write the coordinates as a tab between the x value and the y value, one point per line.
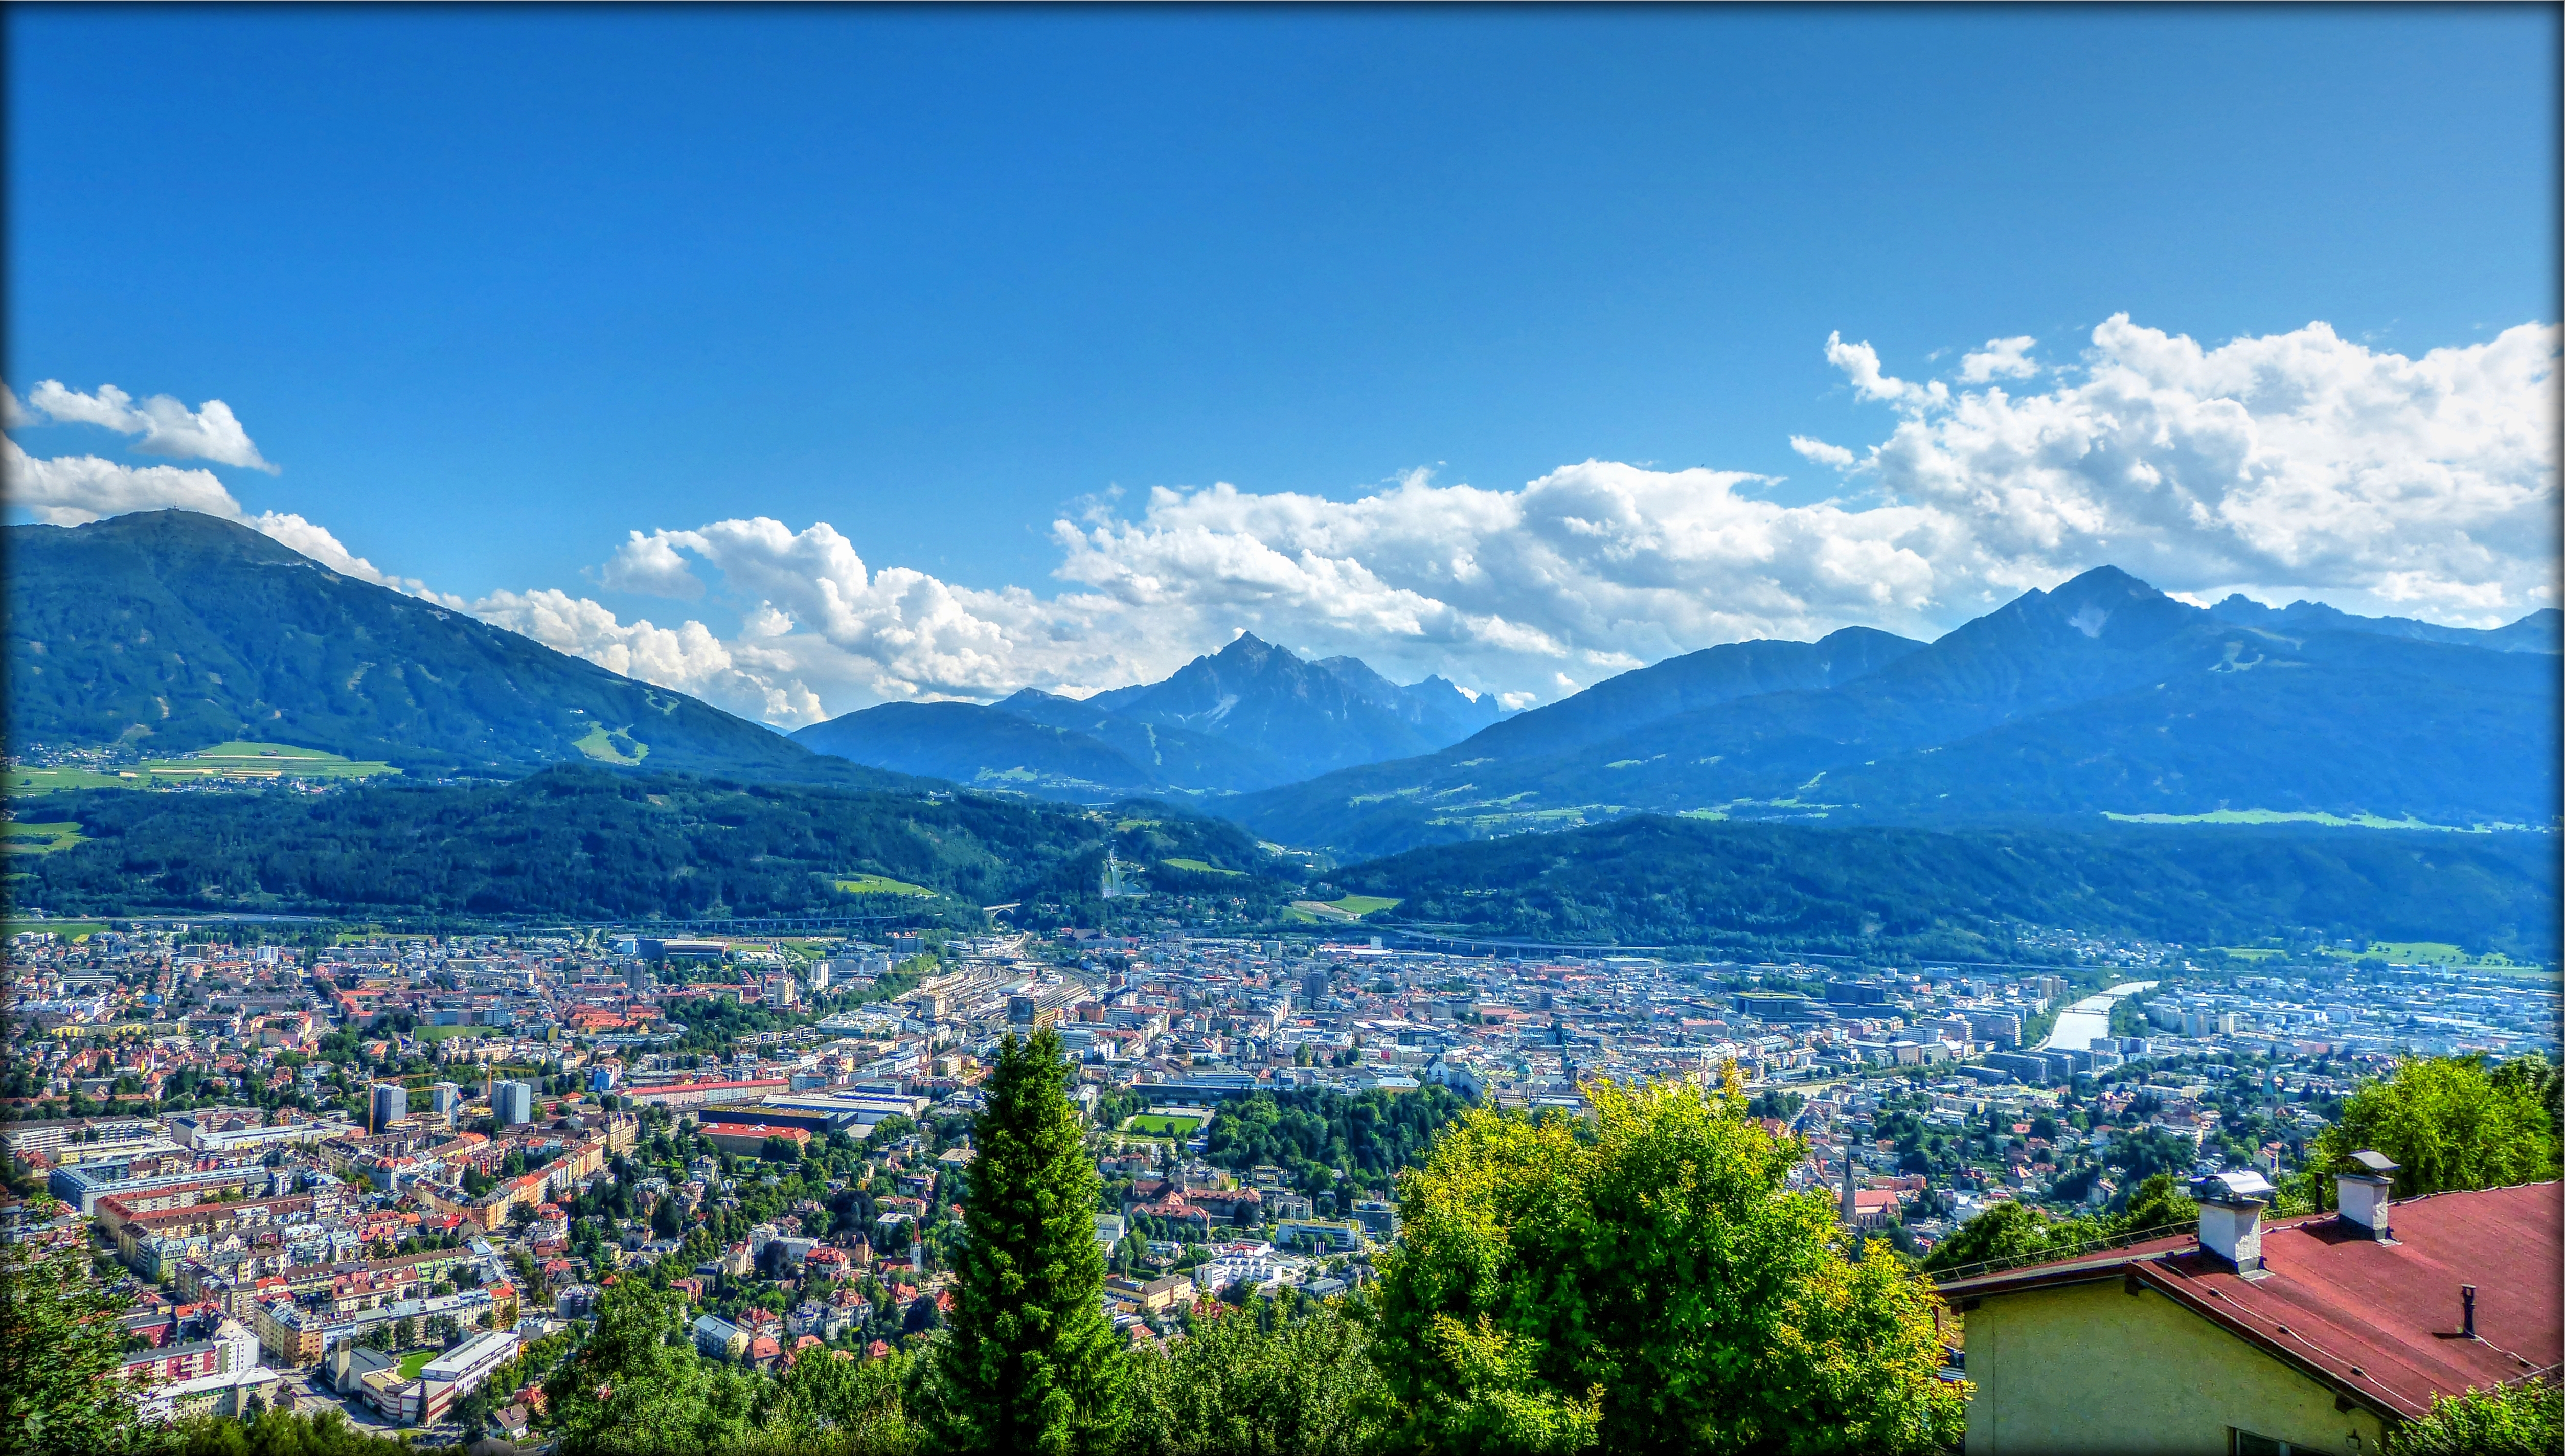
2362	1196
2230	1217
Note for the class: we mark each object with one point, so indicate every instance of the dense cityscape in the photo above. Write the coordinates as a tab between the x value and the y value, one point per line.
384	1174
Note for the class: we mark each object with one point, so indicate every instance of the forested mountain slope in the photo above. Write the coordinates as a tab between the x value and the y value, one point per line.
2104	696
170	630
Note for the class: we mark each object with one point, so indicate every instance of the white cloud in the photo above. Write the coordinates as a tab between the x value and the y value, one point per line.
210	432
12	414
2286	466
70	489
2003	359
2292	465
1860	364
1823	453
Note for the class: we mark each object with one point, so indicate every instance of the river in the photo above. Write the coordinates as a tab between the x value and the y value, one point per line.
2089	1020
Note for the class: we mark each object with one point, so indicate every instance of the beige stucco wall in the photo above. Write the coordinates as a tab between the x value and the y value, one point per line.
2092	1368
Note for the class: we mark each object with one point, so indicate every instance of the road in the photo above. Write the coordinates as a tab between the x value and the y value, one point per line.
2089	1020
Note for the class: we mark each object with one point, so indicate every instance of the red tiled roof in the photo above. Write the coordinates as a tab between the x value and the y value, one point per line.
2378	1321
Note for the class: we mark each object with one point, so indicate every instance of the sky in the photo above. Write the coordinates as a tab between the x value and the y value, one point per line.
804	360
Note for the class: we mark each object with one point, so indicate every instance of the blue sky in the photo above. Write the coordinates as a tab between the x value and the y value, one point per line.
495	289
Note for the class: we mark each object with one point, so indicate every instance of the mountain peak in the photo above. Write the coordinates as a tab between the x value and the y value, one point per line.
1250	647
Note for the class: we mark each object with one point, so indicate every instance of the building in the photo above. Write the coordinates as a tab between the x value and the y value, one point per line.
748	1139
2321	1333
391	1103
443	1099
467	1366
512	1103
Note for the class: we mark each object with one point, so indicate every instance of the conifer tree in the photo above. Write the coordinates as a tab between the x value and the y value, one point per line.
1029	1361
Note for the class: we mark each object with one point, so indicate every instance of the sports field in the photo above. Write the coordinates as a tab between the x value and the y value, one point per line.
1155	1124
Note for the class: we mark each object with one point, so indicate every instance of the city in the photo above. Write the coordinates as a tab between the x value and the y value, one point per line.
397	1164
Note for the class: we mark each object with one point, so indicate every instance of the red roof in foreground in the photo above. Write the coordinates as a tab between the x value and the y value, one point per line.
2380	1322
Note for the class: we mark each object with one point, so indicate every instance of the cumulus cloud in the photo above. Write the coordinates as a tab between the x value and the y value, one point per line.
2292	465
71	489
2289	465
1823	453
1860	365
210	432
2002	359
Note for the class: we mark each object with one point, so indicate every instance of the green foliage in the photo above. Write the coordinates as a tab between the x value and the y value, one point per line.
59	1354
577	841
838	1406
1264	1380
1744	888
2524	1419
2451	1122
1645	1281
1030	1361
637	1388
1316	1133
180	632
278	1433
2011	1233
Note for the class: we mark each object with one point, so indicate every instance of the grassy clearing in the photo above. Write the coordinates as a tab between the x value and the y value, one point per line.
69	930
1361	905
244	759
32	782
881	884
38	838
607	746
414	1362
2275	816
439	1034
1199	866
1341	911
1153	1124
239	761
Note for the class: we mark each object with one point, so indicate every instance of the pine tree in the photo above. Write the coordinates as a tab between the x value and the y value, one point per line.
1029	1361
62	1391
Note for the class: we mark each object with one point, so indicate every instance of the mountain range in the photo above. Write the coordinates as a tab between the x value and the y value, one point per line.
167	630
170	630
1250	716
2103	696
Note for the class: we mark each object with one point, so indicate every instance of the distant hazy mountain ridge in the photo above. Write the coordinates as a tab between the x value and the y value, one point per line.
2104	696
1250	716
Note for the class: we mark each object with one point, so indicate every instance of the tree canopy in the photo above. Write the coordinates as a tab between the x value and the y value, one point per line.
1029	1361
2451	1122
60	1357
1646	1283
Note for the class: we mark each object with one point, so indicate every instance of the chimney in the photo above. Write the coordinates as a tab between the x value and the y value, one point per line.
2230	1217
2362	1195
2467	1309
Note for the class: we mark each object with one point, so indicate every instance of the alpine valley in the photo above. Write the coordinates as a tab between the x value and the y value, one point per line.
2069	756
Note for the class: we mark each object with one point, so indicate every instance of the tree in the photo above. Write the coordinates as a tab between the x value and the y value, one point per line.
855	1402
2526	1419
1029	1360
637	1386
2450	1122
665	1219
1266	1380
1646	1282
60	1357
278	1433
